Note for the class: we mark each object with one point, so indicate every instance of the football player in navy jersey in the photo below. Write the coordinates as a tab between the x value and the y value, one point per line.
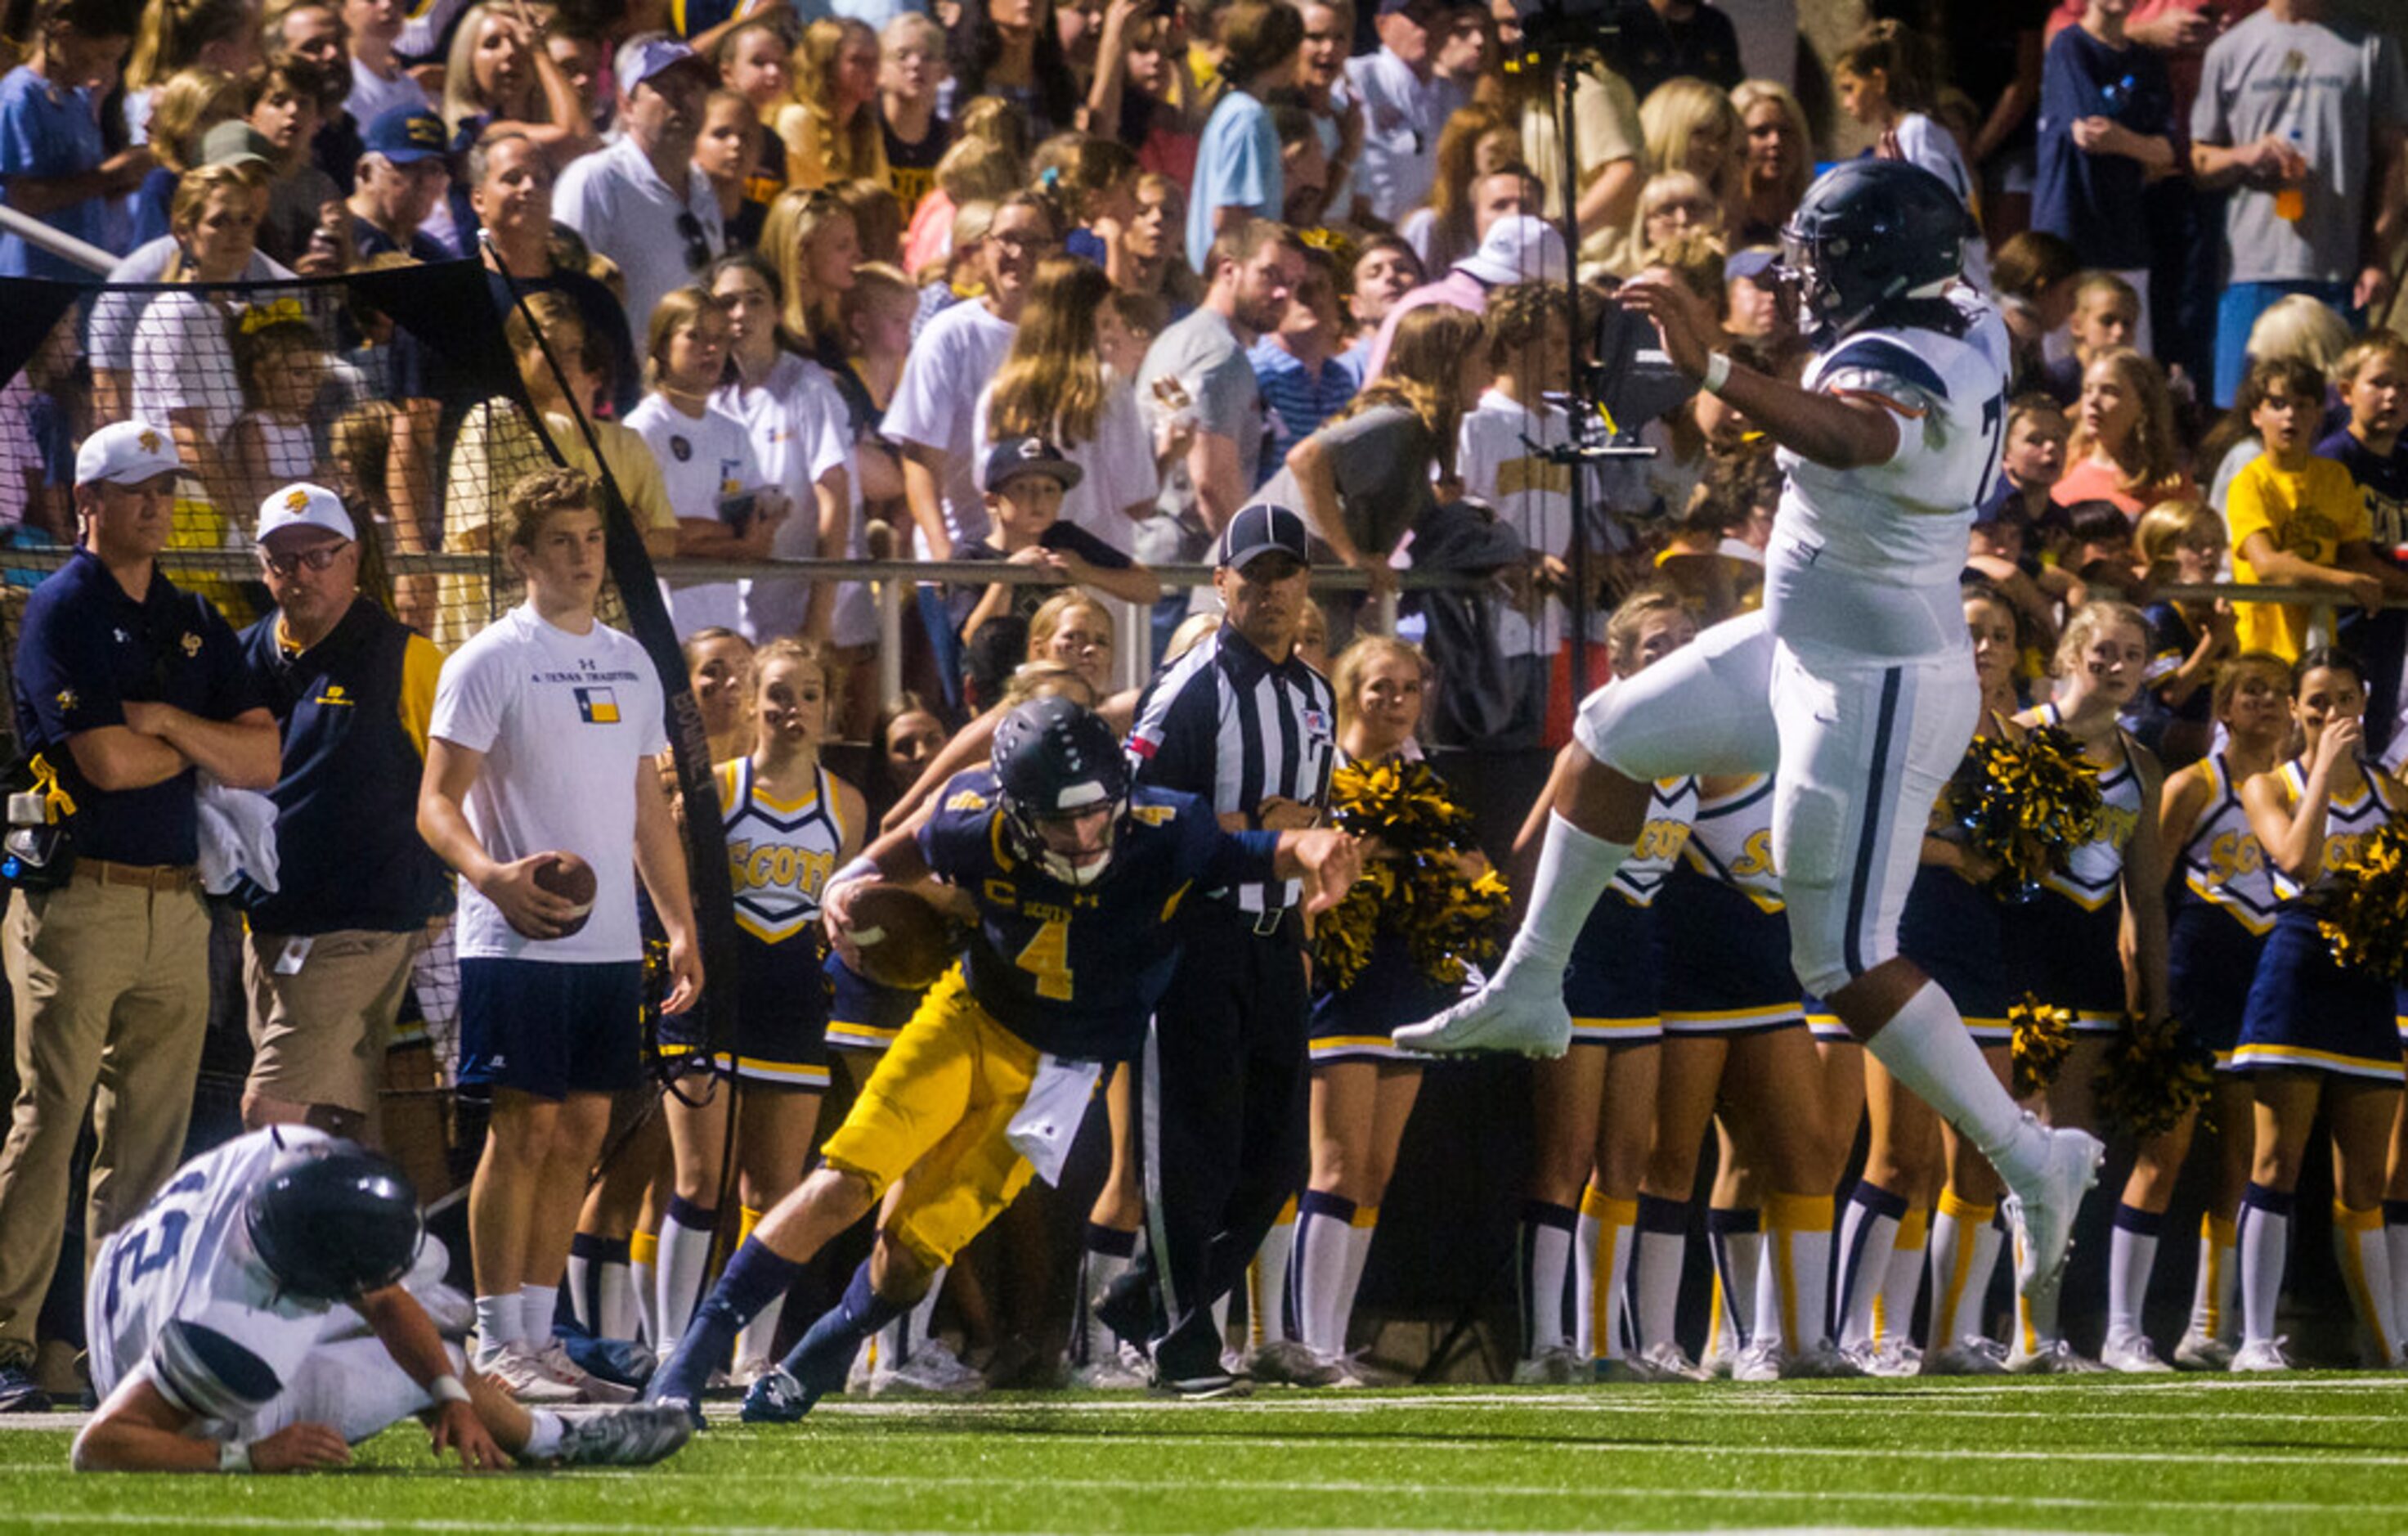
1074	876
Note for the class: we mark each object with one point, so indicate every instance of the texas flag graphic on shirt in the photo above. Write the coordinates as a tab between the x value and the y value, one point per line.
597	706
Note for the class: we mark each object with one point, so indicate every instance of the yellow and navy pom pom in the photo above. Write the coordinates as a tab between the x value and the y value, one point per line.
2043	1037
2364	908
1417	889
2154	1077
2023	803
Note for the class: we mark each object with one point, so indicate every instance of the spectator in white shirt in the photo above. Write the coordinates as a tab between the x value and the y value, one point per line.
1429	57
641	202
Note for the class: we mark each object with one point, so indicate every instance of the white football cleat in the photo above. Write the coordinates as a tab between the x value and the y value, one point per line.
1887	1357
1665	1362
517	1370
1971	1356
1820	1362
1560	1366
634	1435
2261	1355
2054	1357
1760	1361
2043	1215
2133	1355
1290	1362
552	1358
1494	1019
2198	1352
932	1372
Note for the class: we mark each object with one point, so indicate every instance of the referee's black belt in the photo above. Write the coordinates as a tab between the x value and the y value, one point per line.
1262	924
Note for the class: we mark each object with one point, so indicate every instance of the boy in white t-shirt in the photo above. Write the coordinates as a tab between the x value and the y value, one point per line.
545	729
1503	460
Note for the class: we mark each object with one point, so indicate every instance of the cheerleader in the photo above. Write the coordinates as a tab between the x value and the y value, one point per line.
1953	928
1734	1034
1363	1087
2313	1032
790	825
1594	1107
2066	945
2224	904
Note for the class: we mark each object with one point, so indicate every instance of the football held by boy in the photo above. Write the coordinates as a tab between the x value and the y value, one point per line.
1072	872
1853	686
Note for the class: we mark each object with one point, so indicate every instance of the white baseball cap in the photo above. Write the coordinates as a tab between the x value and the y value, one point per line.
126	453
1517	250
302	505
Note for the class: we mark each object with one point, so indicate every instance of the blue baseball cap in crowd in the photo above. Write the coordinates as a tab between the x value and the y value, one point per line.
407	134
1756	263
1261	529
1013	457
649	57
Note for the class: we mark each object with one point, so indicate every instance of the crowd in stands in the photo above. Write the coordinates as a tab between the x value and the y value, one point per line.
1066	284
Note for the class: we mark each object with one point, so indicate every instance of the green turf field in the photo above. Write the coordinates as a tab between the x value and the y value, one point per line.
2312	1452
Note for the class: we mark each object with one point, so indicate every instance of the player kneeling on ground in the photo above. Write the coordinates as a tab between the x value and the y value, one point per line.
271	1309
1073	876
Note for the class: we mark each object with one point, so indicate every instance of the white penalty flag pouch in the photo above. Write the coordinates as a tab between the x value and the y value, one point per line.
1048	1121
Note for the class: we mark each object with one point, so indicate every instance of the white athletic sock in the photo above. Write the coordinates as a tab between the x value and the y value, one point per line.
758	1339
584	1273
2131	1255
1317	1270
1109	1253
544	1429
1545	1254
2366	1271
1602	1267
644	1280
1573	868
1893	1313
1867	1236
497	1325
2211	1297
1798	1250
2265	1237
687	1233
1965	1240
1663	1231
2395	1237
535	1304
614	1301
921	1321
1735	1243
1359	1233
1925	1047
1267	1300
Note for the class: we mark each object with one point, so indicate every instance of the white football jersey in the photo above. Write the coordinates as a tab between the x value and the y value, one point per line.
1867	560
180	1290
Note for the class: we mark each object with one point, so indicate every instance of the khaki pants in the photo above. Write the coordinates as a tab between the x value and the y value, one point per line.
112	995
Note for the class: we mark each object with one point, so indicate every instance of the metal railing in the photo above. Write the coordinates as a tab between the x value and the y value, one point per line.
891	582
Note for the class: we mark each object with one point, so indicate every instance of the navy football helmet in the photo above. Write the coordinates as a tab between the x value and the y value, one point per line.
332	1220
1867	234
1058	762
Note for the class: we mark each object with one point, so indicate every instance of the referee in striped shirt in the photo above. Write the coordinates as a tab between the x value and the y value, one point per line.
1244	723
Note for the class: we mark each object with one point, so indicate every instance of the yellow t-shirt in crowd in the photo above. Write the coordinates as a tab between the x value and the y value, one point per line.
2312	514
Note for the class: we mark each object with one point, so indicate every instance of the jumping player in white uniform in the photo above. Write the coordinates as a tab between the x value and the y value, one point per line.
1860	652
271	1308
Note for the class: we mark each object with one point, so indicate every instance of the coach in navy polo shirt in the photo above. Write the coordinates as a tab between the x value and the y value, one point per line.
123	687
329	951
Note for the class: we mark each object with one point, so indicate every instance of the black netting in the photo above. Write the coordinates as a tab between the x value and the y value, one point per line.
399	389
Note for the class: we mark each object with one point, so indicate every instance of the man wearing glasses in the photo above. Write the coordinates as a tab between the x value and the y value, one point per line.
125	686
328	951
641	202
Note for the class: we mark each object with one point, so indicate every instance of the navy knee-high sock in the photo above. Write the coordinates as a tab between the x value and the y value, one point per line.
756	1276
826	1353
